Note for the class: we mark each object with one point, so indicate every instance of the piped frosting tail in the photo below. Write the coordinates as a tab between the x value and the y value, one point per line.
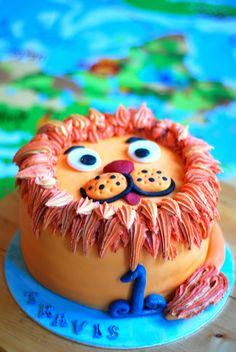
204	287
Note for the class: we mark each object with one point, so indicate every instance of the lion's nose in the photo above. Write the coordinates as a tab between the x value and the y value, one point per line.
121	166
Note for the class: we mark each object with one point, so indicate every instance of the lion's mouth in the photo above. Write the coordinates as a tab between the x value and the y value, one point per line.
130	185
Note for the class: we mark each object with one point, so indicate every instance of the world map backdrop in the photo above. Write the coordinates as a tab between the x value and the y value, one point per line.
59	57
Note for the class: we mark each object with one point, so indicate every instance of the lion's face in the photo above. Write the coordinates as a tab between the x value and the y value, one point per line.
120	169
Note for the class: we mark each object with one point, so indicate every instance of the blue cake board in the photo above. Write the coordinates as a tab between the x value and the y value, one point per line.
94	327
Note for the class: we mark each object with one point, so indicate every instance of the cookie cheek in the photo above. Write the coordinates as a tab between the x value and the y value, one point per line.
105	186
151	181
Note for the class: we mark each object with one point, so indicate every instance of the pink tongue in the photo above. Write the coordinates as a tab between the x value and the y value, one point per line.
132	198
121	166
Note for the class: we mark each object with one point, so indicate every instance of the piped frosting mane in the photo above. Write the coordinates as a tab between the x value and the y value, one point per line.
156	226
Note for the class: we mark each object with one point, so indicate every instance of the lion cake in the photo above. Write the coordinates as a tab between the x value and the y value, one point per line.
118	212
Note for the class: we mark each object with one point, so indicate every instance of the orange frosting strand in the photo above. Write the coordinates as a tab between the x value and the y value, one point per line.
187	204
50	217
165	233
33	148
89	231
176	232
58	132
36	159
143	118
126	215
80	126
34	171
171	206
122	116
67	216
105	211
85	206
59	199
152	243
113	232
39	209
137	238
198	197
206	225
150	213
97	118
211	198
76	231
190	231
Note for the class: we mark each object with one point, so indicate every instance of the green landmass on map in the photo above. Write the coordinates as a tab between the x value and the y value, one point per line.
185	7
7	186
171	82
30	97
38	82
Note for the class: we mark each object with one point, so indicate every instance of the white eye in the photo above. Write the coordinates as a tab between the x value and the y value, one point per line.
144	151
83	159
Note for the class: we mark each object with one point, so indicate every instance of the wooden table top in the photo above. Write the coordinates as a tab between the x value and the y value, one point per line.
19	333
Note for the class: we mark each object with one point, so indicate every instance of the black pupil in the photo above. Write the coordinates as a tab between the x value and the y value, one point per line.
142	152
88	159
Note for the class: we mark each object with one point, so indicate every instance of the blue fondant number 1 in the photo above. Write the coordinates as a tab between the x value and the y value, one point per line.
137	305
